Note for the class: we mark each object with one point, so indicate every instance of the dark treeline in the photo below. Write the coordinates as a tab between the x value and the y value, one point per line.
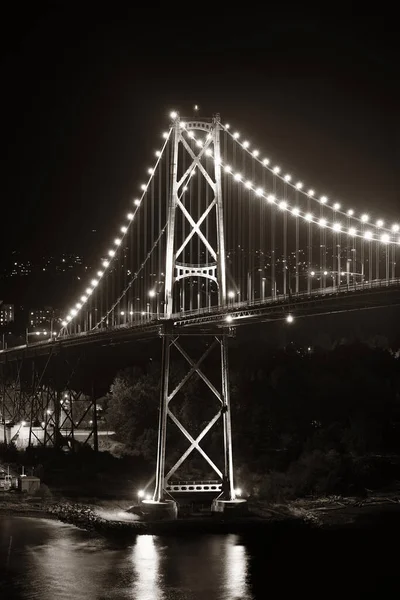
305	421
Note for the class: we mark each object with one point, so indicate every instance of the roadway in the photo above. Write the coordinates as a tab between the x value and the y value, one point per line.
374	294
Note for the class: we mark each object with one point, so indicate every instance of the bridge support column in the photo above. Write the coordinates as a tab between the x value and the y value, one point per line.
162	503
162	423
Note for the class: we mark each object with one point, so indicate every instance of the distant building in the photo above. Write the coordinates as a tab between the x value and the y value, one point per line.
43	316
6	313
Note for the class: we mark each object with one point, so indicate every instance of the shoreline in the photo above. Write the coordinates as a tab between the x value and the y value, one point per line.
323	514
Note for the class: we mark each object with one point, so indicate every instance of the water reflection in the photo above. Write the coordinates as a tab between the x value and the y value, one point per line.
51	561
235	568
146	559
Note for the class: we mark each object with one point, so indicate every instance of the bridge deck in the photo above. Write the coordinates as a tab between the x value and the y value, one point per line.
374	294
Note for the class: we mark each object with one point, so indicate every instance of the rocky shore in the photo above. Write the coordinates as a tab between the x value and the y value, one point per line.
316	513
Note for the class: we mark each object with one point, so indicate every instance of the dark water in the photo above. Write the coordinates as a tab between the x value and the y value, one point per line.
47	560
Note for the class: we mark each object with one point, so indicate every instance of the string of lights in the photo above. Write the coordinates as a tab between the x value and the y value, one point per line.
106	263
295	211
299	186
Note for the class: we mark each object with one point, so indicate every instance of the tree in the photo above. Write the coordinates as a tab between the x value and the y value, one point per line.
133	410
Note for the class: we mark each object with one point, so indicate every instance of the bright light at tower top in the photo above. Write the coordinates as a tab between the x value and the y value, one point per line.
173	114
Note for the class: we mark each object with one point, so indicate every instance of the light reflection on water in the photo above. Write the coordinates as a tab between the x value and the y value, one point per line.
53	561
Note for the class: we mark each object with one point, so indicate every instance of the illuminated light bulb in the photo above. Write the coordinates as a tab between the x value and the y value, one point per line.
148	496
276	170
255	153
227	169
289	319
236	135
123	229
142	313
165	135
130	216
385	238
83	298
78	305
368	235
238	177
379	223
182	124
185	188
288	177
173	114
64	323
231	294
238	492
208	152
350	212
259	192
323	199
265	162
122	313
336	206
271	198
248	184
325	273
150	171
105	263
131	312
295	211
308	217
199	143
311	193
322	222
312	273
352	231
337	227
111	253
229	318
395	228
227	126
89	291
365	218
299	185
246	144
100	273
193	173
283	205
68	318
73	312
136	202
158	153
152	293
94	282
143	187
191	134
117	241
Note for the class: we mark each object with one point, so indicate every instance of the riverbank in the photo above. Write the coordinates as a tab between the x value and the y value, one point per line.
109	518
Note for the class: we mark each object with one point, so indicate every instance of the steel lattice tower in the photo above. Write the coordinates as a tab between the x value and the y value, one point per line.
175	274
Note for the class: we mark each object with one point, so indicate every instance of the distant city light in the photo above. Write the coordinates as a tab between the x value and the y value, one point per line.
289	319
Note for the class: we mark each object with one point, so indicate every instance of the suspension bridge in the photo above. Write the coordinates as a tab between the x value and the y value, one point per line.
217	237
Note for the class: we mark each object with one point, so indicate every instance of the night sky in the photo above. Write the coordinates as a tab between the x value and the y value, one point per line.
86	95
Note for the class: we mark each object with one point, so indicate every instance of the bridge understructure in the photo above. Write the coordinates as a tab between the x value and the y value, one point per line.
42	403
218	237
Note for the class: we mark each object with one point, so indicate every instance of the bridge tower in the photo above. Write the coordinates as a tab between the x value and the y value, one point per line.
209	216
